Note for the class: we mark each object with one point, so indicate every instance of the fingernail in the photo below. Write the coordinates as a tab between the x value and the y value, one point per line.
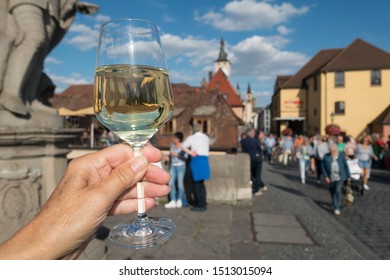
138	164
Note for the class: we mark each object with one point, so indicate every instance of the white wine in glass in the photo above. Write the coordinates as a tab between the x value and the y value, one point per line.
133	98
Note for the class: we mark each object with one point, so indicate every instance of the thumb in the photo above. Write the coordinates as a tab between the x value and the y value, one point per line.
123	177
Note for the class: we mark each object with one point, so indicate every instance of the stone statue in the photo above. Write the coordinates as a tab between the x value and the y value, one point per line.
29	30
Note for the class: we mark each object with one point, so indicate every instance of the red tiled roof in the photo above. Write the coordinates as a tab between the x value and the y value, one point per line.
224	122
359	55
221	83
187	100
74	98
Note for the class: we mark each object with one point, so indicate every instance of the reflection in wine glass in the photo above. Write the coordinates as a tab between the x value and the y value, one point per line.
133	98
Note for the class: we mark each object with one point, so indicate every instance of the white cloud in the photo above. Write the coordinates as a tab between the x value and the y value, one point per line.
85	37
262	94
102	18
198	50
53	60
240	15
258	56
283	30
187	76
264	58
62	82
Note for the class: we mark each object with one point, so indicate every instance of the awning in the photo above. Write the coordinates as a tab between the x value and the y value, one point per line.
289	118
82	112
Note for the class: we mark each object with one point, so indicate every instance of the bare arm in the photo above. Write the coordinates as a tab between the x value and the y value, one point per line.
94	186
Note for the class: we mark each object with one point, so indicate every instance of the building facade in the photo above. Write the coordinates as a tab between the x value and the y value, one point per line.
264	119
349	87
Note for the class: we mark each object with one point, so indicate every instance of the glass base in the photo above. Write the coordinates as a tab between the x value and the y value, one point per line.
142	233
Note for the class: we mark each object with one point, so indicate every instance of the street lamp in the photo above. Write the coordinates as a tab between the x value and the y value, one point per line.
332	117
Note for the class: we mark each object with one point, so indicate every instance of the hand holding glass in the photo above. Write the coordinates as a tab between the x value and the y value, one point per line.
133	98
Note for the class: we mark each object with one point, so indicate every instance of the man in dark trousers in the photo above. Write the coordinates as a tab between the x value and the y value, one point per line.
198	145
251	146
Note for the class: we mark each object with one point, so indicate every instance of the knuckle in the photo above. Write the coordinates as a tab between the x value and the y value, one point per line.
125	176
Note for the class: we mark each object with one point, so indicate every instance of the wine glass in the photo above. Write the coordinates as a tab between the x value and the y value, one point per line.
133	98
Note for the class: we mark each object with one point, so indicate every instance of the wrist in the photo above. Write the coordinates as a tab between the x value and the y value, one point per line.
31	242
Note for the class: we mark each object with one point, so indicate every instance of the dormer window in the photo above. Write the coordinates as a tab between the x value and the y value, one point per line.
205	124
169	127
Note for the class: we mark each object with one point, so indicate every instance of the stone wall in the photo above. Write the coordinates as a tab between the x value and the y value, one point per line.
230	178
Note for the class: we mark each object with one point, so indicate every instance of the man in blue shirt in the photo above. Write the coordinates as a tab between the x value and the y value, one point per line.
251	146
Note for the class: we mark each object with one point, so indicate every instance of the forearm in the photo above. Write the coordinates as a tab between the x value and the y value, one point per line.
185	149
27	244
36	241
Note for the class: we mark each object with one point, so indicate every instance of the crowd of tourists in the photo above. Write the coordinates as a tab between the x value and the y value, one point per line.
333	159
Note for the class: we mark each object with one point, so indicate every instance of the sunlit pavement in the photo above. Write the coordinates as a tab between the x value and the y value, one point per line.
289	221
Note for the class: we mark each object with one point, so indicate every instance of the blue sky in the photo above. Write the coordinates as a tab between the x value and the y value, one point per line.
262	38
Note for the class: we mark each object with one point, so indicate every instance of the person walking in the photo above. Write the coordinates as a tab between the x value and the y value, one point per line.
350	148
251	146
198	146
321	150
287	147
340	144
177	171
336	172
364	154
304	152
269	144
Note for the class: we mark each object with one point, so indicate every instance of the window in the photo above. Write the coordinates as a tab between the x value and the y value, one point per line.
205	124
339	108
339	79
315	83
72	121
168	128
315	112
376	77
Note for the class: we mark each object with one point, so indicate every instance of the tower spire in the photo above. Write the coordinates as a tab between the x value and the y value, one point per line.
222	61
222	54
249	88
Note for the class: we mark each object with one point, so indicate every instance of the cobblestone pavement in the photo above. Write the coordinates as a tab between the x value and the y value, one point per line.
283	223
367	218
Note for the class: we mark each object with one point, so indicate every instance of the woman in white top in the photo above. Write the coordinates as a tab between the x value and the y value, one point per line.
364	154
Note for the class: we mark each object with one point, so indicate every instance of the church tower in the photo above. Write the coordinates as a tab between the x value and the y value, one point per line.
222	62
248	109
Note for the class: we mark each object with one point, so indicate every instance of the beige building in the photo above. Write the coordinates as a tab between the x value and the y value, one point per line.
349	87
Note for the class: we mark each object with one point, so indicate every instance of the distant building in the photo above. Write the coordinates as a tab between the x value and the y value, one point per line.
264	119
192	105
248	108
216	105
219	80
206	107
348	86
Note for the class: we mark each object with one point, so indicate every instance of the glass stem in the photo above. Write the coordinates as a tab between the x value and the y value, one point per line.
140	190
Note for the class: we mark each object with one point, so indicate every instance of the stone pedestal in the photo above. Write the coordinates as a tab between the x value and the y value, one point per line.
32	161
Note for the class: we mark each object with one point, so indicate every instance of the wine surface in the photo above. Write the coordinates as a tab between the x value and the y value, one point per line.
133	101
